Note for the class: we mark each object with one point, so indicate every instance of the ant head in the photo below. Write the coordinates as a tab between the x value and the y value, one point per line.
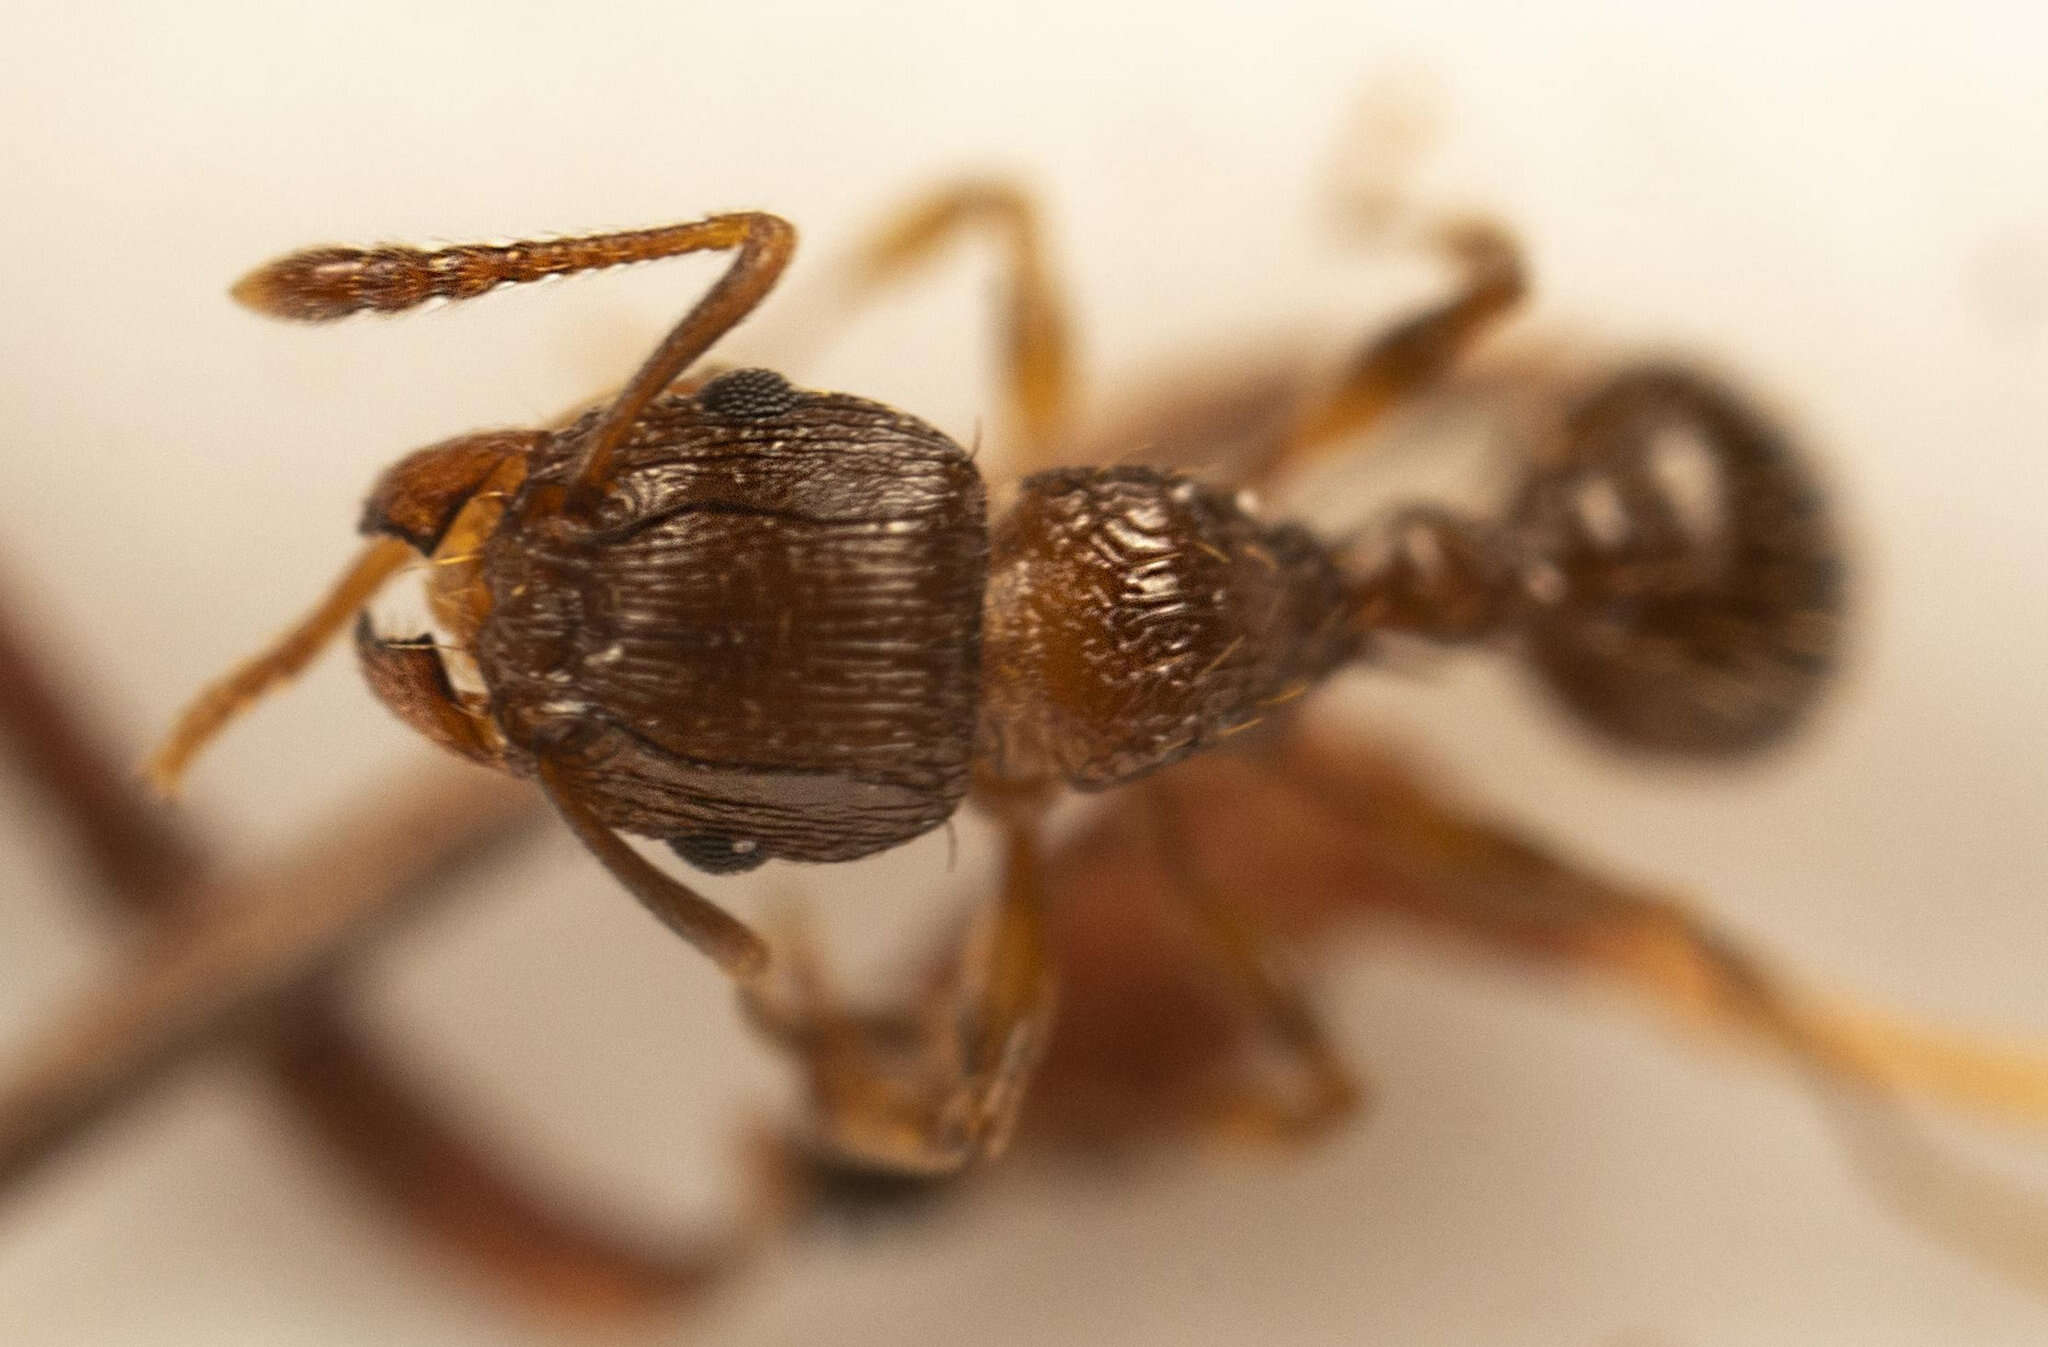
760	635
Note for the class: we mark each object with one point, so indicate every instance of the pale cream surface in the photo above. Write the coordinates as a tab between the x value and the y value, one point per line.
1846	204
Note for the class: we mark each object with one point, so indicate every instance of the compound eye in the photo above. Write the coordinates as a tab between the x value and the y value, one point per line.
716	855
749	395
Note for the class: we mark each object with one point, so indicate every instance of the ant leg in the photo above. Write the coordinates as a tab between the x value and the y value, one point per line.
1358	837
1327	1092
1415	353
938	1089
801	1007
723	938
220	702
320	284
1371	195
1437	864
868	1101
1037	363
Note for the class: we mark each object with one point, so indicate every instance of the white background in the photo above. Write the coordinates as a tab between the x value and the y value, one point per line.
1847	203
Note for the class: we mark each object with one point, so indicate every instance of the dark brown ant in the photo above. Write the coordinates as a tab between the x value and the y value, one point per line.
754	621
1290	836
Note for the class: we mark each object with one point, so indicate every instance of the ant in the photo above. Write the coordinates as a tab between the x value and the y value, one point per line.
756	622
1171	919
